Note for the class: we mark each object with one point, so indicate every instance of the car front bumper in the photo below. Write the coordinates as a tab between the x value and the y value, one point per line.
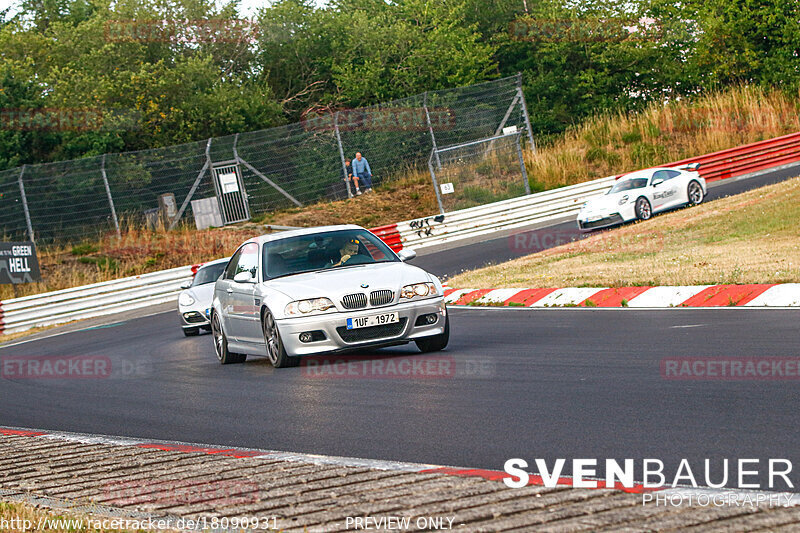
193	316
337	338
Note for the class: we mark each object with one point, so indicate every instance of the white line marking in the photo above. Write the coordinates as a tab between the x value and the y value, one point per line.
24	341
688	326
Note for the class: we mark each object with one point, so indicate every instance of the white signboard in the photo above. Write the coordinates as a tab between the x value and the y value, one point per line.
509	130
229	182
447	188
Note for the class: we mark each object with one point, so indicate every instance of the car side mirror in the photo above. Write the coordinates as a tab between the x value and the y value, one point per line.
406	255
186	284
657	182
244	277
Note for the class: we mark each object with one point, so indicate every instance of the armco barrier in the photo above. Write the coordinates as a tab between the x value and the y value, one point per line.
507	214
124	294
94	300
747	159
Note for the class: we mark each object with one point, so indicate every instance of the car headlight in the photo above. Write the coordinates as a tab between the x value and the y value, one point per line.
623	200
418	290
185	299
305	307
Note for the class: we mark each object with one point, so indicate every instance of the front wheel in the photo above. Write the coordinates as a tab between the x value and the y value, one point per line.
695	193
276	351
225	356
434	343
643	209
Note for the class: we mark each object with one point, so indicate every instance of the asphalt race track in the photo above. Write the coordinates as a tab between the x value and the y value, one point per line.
450	262
546	383
529	383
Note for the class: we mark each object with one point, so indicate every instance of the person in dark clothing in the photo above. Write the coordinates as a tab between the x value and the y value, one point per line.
350	177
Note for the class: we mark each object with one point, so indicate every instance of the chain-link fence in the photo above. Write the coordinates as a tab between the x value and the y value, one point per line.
280	167
479	172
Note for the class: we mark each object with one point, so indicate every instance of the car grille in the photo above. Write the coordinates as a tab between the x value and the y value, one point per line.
372	332
382	297
613	219
354	301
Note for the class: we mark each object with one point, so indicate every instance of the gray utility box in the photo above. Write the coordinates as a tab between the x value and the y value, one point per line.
206	213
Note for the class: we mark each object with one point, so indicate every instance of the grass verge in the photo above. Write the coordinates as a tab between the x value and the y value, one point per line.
752	237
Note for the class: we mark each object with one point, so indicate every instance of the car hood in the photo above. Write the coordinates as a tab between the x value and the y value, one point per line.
202	294
606	202
337	282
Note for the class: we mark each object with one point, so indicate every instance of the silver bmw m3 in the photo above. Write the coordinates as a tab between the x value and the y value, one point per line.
322	290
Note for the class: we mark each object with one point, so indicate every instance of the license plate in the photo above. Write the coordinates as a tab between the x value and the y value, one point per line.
374	320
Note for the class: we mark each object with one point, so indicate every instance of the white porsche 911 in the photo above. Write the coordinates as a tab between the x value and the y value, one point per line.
639	195
322	290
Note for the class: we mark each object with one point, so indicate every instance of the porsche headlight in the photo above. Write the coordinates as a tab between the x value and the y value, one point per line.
306	307
623	200
185	299
418	290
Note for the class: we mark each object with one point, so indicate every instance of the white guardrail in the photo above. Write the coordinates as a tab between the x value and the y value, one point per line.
508	214
94	300
136	292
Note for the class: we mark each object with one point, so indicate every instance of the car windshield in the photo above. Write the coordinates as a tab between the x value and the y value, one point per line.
324	251
208	274
627	185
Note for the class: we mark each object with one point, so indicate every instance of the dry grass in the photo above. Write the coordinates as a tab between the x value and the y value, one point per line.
753	237
605	145
405	198
51	521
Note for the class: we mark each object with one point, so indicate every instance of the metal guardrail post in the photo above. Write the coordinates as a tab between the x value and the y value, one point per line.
525	111
108	193
341	153
430	129
522	165
25	204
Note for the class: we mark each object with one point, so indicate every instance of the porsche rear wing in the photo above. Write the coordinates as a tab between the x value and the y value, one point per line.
694	167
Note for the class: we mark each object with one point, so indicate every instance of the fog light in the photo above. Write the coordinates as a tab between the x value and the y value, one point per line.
426	320
305	337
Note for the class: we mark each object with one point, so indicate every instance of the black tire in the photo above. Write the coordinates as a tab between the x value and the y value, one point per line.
191	332
695	193
434	343
225	356
644	210
276	351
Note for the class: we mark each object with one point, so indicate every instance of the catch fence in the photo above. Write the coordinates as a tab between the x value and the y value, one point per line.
237	177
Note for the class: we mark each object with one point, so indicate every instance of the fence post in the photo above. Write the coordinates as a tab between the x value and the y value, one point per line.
25	204
341	153
522	165
430	129
108	193
435	183
525	112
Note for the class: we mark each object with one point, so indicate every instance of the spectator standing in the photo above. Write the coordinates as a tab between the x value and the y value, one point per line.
362	172
354	179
